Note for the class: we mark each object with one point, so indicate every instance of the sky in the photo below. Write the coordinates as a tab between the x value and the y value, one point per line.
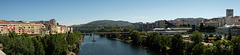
73	12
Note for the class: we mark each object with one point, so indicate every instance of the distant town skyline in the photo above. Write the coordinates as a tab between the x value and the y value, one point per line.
70	12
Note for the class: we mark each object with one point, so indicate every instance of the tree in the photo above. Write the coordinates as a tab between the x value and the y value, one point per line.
236	45
196	37
39	49
222	47
135	35
188	48
210	35
225	36
158	43
206	38
177	44
229	35
201	26
198	49
116	35
14	45
209	50
12	34
218	37
25	35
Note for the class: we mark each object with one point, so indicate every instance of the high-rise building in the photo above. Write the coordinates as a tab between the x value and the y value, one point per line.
229	12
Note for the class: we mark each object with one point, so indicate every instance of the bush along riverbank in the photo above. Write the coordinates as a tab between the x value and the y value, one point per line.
53	44
174	45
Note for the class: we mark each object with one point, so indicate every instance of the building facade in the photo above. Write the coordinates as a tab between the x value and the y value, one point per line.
229	12
235	31
20	27
212	23
33	28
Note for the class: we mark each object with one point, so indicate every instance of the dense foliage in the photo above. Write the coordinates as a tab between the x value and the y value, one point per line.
174	45
207	28
53	44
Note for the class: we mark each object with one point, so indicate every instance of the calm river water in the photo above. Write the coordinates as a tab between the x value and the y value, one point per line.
104	46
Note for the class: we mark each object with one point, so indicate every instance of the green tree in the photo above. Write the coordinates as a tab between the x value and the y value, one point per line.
229	35
158	43
236	45
39	49
218	37
12	34
188	48
222	47
25	35
177	45
225	36
210	35
206	38
196	37
198	49
209	50
135	36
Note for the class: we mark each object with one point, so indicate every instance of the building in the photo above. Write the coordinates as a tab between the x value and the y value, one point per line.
235	30
229	20
20	27
64	29
220	21
232	20
33	27
235	20
212	23
222	30
138	25
170	31
189	21
160	24
150	25
229	12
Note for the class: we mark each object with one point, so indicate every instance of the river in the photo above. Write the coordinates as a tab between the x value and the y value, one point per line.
104	46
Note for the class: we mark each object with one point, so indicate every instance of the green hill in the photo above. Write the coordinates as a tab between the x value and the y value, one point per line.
104	24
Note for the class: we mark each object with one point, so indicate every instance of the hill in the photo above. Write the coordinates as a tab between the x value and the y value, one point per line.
104	24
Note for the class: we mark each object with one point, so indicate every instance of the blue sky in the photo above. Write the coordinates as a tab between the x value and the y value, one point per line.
69	12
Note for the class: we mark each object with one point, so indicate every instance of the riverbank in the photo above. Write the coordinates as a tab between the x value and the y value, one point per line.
128	41
75	51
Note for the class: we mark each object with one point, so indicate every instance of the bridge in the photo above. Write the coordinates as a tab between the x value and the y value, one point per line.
109	33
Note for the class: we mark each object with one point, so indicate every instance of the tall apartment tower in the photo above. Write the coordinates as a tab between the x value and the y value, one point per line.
229	15
229	12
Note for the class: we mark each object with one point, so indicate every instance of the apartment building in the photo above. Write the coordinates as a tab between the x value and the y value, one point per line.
33	28
20	27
